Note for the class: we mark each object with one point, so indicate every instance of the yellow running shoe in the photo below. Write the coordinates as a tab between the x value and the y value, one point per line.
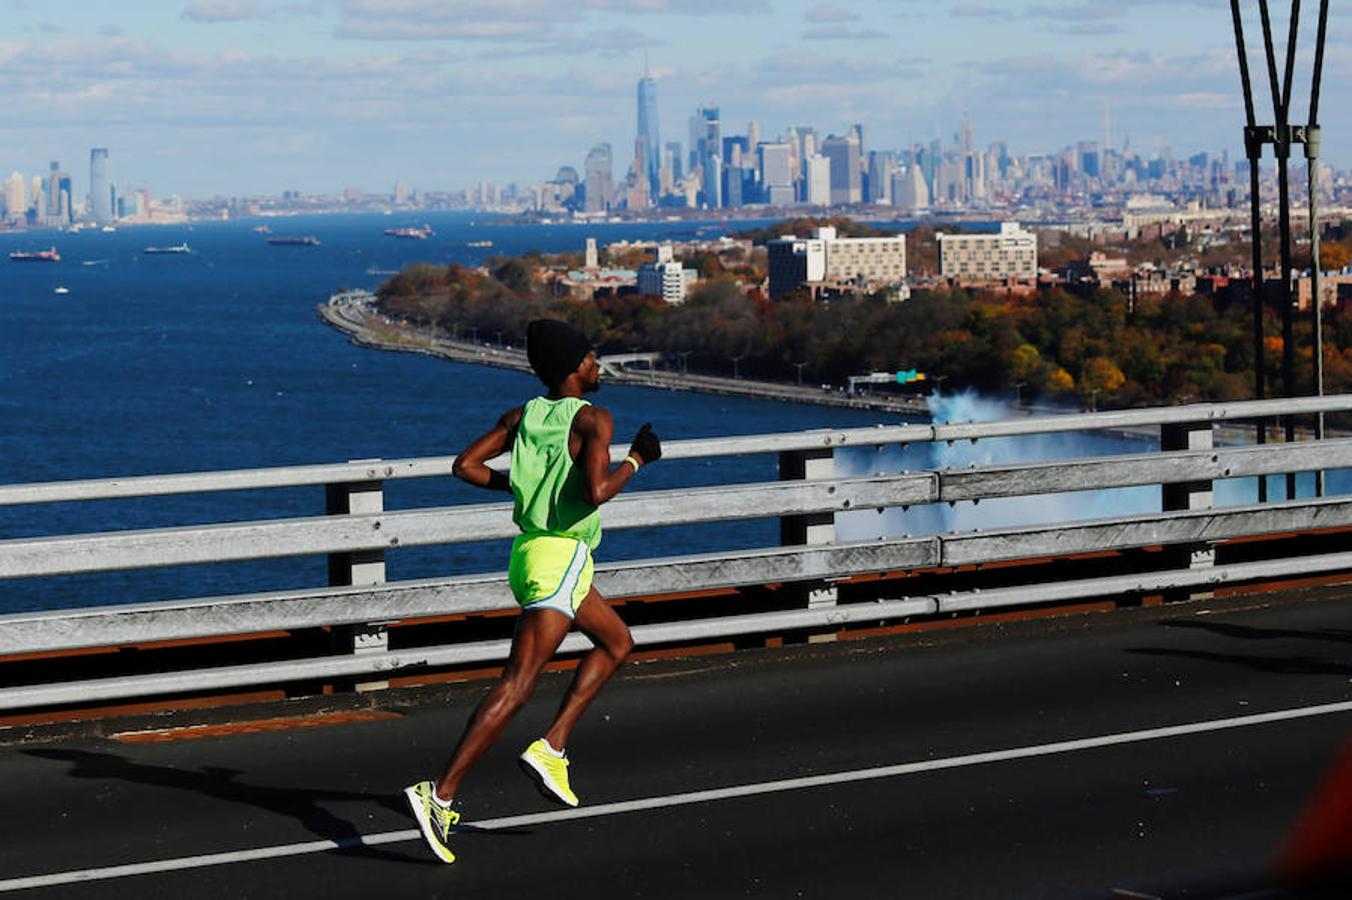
550	772
436	821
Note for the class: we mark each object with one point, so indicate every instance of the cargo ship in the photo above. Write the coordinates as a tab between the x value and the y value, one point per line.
412	234
40	256
177	248
308	240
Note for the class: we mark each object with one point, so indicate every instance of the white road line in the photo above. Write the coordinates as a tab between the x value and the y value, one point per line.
647	803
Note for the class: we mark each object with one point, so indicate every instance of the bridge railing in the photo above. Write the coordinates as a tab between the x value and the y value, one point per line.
358	532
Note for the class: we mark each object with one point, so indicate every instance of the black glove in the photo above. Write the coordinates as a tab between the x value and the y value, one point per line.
646	445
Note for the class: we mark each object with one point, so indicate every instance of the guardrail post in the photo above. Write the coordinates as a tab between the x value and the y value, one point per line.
1190	494
816	528
365	567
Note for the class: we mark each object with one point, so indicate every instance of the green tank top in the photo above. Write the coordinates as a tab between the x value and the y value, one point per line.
551	496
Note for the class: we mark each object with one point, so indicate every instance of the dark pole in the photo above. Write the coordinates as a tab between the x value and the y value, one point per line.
1312	165
1281	96
1253	148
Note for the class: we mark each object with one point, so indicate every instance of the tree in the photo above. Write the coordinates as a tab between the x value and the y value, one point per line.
1100	376
516	275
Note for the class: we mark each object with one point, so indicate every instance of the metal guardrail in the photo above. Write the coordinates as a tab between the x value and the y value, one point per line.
361	531
802	441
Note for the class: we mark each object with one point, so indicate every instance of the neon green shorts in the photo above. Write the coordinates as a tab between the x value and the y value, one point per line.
550	572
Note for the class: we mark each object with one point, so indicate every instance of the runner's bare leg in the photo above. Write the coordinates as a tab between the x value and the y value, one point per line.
538	634
598	621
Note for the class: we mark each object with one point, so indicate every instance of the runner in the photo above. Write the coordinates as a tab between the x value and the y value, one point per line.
560	474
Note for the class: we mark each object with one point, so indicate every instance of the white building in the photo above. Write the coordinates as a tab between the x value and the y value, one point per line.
1010	254
817	180
16	198
827	260
665	277
909	191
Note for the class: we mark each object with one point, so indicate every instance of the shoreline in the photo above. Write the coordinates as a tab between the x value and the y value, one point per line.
353	314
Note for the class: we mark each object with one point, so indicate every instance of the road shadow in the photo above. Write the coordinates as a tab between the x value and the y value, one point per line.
302	804
1290	664
1272	665
1250	633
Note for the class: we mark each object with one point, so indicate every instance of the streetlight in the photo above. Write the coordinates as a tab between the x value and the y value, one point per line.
799	367
1018	393
735	360
684	355
499	334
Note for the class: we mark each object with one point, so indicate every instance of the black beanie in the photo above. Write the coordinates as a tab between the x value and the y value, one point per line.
555	349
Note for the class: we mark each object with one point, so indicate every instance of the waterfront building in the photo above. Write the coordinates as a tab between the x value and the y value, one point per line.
843	152
909	191
776	168
599	179
881	164
705	136
734	184
648	142
673	159
58	210
817	180
1007	255
16	200
828	262
713	182
100	186
665	276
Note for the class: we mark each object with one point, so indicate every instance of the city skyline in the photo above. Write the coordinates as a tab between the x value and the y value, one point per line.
242	98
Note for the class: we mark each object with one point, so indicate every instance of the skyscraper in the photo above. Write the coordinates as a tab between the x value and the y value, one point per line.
776	173
649	144
58	196
705	135
100	188
844	155
16	200
599	179
674	152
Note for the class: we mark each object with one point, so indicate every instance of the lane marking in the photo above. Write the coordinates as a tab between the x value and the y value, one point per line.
687	799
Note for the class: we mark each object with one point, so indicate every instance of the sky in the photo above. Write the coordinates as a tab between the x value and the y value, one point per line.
246	97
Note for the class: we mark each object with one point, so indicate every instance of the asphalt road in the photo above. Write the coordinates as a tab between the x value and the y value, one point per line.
1072	758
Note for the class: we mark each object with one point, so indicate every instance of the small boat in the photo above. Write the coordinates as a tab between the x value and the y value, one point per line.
177	248
478	243
109	229
308	240
61	290
261	229
93	262
40	256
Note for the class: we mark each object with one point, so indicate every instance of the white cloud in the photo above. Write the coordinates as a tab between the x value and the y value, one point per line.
222	11
831	13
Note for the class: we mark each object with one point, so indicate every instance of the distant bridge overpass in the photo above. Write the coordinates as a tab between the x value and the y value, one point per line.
808	587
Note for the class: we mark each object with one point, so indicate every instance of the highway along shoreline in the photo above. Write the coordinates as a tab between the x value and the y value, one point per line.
355	314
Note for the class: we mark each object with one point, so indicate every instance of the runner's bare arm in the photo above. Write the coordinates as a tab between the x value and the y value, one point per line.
596	427
471	464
